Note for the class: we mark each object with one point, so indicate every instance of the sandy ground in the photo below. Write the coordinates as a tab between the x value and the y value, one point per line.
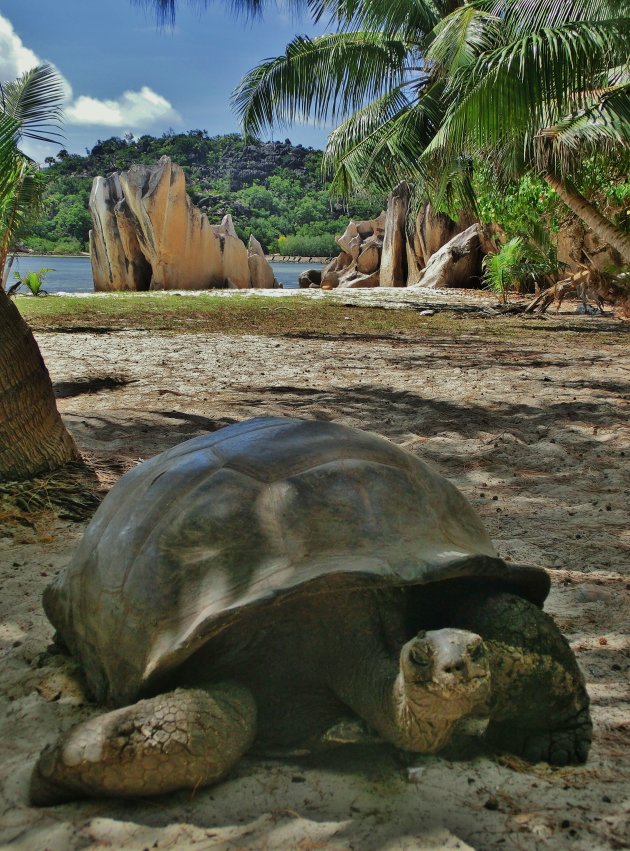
537	436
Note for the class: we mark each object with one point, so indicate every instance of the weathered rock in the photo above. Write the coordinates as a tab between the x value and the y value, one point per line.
349	239
356	279
456	264
369	259
117	260
261	273
175	237
310	278
149	235
372	227
436	229
415	263
359	259
330	279
394	255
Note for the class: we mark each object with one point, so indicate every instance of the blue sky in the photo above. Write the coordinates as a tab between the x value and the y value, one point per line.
125	74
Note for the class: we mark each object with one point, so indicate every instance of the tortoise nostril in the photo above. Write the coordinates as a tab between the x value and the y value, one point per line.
454	668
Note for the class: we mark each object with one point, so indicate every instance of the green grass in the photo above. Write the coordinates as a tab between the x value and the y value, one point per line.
287	317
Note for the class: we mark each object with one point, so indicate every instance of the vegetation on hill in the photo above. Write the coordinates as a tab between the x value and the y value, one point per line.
437	93
273	190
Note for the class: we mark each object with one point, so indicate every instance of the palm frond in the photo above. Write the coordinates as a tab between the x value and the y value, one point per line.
409	20
357	129
166	10
459	39
9	155
35	101
20	205
520	16
604	125
364	150
325	78
500	270
530	83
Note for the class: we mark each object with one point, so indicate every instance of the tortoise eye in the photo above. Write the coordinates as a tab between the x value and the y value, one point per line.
478	653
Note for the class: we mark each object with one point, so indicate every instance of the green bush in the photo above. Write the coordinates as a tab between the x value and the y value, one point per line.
68	245
307	246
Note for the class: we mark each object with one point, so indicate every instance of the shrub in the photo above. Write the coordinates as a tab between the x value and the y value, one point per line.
308	246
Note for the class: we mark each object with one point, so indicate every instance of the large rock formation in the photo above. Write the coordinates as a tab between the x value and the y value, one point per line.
394	256
357	265
260	272
396	250
455	264
117	261
148	235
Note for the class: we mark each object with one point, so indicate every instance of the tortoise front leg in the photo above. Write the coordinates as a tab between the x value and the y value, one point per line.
539	707
183	739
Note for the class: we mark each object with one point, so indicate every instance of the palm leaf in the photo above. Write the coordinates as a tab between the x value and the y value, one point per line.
166	10
324	78
520	16
409	20
384	152
603	126
20	205
35	101
459	39
8	153
532	82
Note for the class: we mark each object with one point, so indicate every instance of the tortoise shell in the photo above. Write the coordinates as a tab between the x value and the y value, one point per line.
184	542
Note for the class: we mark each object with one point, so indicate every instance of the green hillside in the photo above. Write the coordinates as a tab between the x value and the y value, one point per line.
273	190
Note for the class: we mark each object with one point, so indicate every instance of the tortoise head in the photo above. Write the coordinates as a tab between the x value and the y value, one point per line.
449	664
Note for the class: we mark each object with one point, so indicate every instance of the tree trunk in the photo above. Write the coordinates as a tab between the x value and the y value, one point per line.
600	225
33	439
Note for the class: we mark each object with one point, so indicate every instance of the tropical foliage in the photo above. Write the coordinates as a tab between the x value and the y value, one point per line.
501	270
30	107
33	438
273	190
32	281
426	91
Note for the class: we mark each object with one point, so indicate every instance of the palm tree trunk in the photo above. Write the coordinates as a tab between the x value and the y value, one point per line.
33	438
600	225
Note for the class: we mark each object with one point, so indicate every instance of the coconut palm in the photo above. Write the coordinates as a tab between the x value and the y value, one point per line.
33	438
527	84
546	85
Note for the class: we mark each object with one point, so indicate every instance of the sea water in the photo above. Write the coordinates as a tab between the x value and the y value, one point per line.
74	274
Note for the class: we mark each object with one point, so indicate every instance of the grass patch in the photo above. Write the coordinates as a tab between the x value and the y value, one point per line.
294	316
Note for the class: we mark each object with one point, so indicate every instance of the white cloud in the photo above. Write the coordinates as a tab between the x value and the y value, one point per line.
15	57
131	109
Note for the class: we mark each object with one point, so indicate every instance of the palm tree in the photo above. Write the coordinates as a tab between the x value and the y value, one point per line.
427	88
543	86
33	438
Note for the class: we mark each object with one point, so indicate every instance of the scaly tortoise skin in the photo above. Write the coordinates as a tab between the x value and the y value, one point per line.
264	585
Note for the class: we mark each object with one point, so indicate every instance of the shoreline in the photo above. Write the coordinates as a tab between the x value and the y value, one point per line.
271	258
83	256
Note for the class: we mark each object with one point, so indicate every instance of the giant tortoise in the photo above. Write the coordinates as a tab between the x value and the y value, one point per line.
262	586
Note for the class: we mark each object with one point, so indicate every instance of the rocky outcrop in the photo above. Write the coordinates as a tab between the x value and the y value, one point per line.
431	251
260	272
394	254
456	263
149	235
310	278
358	263
117	260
